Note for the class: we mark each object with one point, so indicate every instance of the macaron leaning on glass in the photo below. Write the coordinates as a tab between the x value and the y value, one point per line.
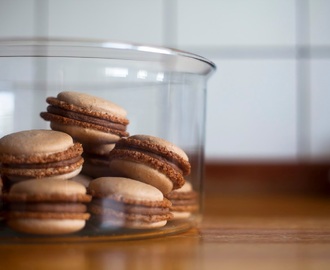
47	207
184	201
38	154
151	160
123	202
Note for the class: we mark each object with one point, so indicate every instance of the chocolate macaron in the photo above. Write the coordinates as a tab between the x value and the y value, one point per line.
46	207
151	160
87	118
124	202
96	158
39	154
184	201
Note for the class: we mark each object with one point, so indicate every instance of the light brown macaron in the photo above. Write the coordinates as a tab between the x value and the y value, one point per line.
86	118
39	154
151	160
49	207
124	202
184	201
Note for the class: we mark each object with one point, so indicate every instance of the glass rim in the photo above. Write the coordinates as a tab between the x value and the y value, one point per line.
174	59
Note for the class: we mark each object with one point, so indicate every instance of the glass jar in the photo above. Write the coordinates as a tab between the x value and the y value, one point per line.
163	91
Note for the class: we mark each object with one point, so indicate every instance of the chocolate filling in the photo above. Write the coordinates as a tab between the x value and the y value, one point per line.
183	202
171	170
57	164
129	208
85	118
116	151
109	214
48	207
171	159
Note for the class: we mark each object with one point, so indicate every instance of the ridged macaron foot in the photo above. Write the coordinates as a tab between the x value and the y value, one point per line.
123	202
39	154
184	201
86	118
49	207
151	160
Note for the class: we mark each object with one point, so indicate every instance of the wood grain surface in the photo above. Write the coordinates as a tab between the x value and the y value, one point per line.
239	231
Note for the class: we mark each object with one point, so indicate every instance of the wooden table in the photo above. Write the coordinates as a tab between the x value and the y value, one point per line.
250	231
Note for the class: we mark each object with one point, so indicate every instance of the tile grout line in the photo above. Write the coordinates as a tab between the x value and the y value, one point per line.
303	81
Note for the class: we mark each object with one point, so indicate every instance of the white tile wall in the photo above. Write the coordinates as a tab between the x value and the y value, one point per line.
320	109
139	21
319	22
17	18
240	23
252	110
257	106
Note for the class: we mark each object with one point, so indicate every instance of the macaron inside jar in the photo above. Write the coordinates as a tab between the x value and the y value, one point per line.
39	154
88	119
151	160
46	207
124	202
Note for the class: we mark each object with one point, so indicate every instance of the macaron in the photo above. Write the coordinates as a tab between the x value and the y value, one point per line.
184	201
88	119
49	207
151	160
124	202
96	160
39	154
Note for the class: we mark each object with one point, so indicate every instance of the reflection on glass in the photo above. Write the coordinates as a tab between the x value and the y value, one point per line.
7	104
142	74
160	76
116	72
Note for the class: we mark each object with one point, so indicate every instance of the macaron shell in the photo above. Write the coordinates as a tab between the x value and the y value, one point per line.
164	143
187	187
48	187
85	134
91	103
128	189
109	217
142	173
59	172
107	222
145	225
46	226
180	215
35	141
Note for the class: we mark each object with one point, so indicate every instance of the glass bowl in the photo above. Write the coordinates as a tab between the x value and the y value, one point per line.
163	91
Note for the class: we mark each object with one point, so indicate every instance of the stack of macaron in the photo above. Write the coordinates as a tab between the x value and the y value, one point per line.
33	163
94	122
134	181
38	154
144	169
47	206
